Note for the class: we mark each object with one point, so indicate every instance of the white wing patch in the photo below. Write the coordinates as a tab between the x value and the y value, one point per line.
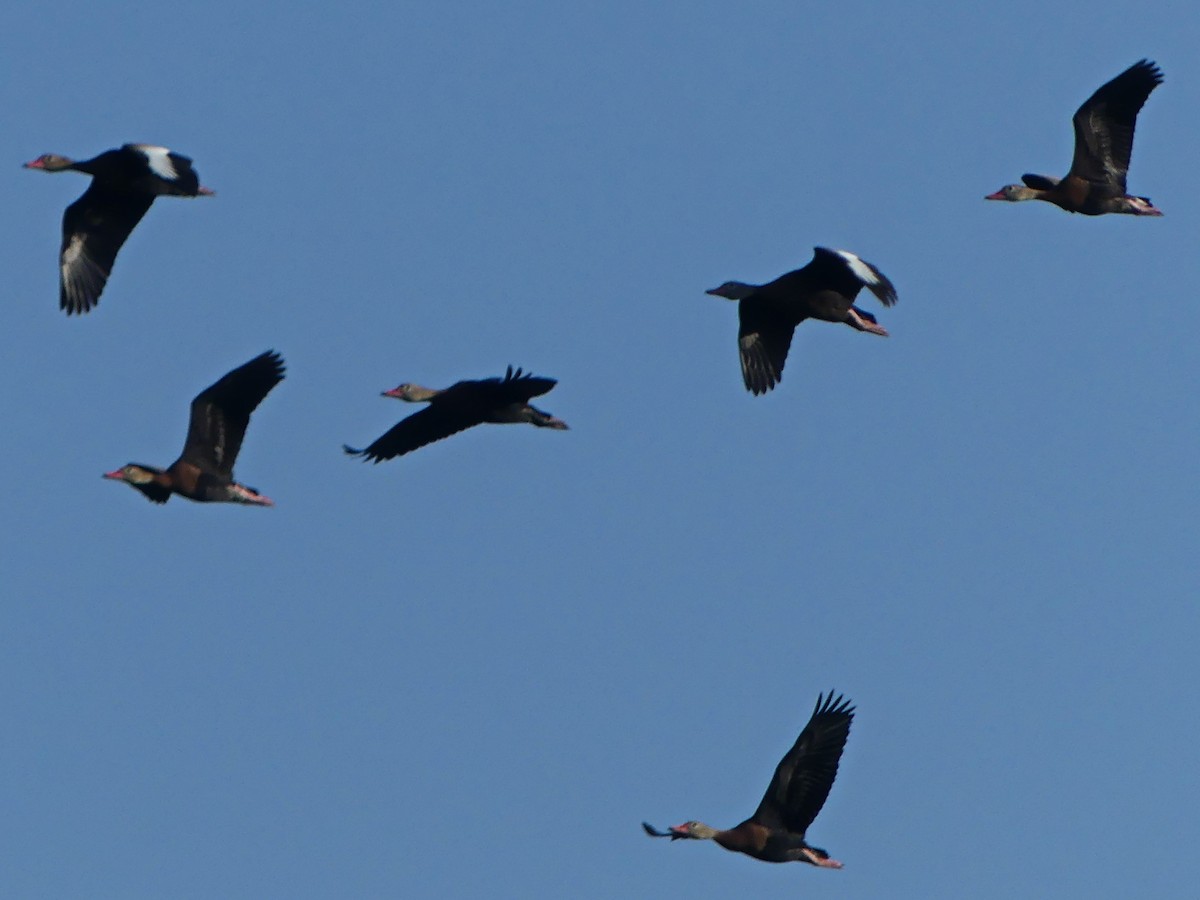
72	253
159	161
75	261
82	278
861	270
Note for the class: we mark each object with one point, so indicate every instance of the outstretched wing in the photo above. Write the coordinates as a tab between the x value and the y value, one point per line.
463	405
515	387
94	228
221	412
1040	182
172	172
804	776
764	338
1104	126
847	273
433	423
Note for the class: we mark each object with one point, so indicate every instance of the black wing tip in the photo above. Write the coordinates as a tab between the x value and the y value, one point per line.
77	299
1131	87
759	384
275	359
1149	67
516	373
366	455
834	703
654	832
76	308
758	374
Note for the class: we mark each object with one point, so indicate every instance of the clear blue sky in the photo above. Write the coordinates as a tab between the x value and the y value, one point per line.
474	671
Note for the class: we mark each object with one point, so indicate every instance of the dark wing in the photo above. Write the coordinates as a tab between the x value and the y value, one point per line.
434	422
1104	126
516	387
1040	182
221	412
153	491
94	228
847	273
463	405
187	181
805	775
764	337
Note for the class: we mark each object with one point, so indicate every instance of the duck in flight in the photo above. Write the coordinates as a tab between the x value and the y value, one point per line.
125	182
798	790
463	405
220	414
824	289
1104	126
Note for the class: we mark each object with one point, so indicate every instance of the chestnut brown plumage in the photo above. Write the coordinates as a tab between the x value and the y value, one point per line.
798	790
824	289
125	182
220	414
460	406
1104	127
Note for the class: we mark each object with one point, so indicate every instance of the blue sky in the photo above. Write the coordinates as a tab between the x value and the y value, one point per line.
474	671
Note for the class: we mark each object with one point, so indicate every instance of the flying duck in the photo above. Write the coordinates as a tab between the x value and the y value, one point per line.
1103	144
824	289
463	405
220	414
775	833
124	184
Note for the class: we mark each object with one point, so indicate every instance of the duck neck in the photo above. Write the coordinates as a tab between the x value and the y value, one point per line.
745	838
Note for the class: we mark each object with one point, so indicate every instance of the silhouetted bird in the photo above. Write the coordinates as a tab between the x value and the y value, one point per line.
775	833
1103	144
220	414
124	184
824	289
458	407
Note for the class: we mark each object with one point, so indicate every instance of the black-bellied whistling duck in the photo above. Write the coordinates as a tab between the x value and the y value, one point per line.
124	184
775	833
220	413
461	406
824	289
1103	143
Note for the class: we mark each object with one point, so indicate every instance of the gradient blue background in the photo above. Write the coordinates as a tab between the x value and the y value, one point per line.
472	672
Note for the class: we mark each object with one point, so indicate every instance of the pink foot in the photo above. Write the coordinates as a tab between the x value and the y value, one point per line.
817	859
866	324
243	494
